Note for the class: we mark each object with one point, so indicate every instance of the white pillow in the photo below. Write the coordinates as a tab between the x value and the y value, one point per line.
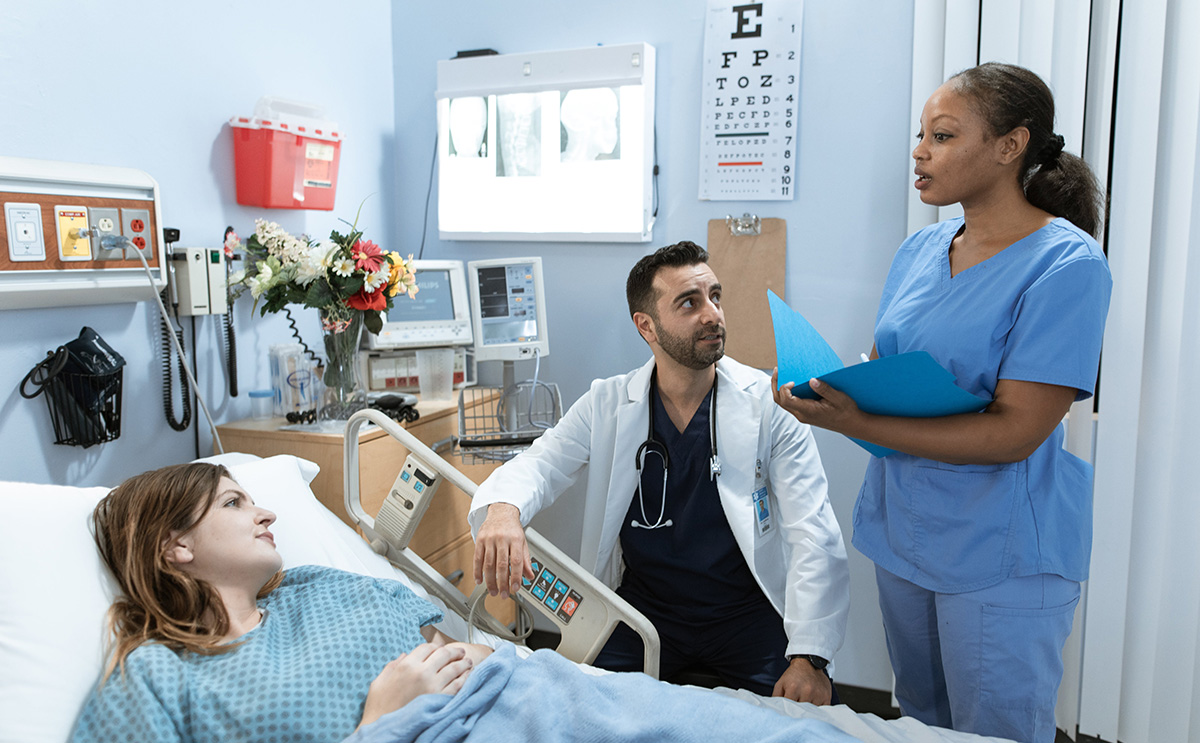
54	590
54	593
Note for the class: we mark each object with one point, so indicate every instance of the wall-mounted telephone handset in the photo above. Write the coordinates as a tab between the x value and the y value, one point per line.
197	280
584	609
229	244
171	236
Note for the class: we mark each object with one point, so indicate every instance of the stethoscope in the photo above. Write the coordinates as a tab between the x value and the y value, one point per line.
653	446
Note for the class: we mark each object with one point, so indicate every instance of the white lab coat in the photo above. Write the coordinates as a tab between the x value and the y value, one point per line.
800	563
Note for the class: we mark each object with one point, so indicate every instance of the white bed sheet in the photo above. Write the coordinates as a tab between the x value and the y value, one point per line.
54	593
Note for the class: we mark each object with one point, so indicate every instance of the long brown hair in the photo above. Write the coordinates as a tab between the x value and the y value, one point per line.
1008	96
159	601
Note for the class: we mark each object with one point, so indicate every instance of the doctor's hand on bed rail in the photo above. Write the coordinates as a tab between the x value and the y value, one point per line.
431	668
501	552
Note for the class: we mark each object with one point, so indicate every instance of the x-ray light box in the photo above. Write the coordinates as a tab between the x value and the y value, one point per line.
547	146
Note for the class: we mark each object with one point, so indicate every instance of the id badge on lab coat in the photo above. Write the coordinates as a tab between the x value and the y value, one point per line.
762	510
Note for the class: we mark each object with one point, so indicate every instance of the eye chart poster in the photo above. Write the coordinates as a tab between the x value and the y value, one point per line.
749	110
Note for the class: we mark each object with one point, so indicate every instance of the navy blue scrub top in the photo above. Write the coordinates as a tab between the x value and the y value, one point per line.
692	570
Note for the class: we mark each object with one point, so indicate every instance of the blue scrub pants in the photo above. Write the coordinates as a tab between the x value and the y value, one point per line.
987	661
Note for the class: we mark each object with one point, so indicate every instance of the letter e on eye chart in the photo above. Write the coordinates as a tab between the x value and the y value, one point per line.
749	105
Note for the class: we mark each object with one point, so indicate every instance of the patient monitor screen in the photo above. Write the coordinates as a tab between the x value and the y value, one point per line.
507	304
433	302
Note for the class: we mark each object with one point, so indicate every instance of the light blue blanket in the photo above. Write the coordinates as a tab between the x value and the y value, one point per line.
546	699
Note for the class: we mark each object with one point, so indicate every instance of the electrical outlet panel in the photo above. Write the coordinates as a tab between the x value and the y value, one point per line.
105	222
73	241
56	215
135	224
24	224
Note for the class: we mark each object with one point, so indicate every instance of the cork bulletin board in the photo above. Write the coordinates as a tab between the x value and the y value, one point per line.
748	264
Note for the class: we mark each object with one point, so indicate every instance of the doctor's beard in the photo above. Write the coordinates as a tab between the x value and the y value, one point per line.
686	352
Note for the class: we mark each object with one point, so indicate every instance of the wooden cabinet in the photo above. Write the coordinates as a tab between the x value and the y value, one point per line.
443	539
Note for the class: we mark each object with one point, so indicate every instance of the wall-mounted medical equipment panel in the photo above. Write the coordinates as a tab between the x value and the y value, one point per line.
198	276
72	234
547	146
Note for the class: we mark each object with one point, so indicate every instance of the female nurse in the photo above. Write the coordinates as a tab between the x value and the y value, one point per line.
980	524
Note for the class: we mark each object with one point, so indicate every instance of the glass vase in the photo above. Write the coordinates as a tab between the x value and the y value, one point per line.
344	394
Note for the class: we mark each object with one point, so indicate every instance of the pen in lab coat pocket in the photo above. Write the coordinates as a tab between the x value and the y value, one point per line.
863	356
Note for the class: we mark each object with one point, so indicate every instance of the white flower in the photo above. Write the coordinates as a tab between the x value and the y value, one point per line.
311	264
343	267
307	272
375	280
279	243
259	285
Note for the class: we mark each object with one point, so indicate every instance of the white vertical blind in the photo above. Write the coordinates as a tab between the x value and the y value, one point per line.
1144	604
1138	101
945	41
928	72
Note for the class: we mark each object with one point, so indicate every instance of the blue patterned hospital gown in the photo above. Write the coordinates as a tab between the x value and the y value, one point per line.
302	674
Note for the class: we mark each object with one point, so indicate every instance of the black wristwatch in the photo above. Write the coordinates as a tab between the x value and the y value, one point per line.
816	661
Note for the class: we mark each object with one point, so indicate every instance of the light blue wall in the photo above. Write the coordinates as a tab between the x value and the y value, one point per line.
160	102
848	217
151	85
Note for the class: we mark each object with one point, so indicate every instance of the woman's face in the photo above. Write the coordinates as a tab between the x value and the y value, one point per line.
231	543
957	158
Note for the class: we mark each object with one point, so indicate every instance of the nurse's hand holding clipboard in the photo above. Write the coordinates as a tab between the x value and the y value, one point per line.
831	410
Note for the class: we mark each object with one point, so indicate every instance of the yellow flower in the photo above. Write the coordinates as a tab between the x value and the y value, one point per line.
401	275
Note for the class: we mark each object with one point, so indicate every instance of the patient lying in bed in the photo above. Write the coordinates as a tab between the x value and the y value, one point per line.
214	643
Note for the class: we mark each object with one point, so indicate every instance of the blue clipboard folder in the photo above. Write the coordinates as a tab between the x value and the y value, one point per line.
908	385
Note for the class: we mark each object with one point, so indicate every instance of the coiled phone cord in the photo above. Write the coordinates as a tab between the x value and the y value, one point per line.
231	351
168	382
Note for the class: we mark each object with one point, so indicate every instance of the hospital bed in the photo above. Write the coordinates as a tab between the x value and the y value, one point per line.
54	593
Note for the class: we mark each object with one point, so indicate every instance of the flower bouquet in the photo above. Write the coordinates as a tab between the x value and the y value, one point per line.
349	280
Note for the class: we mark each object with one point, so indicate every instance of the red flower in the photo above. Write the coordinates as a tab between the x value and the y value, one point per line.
365	300
367	256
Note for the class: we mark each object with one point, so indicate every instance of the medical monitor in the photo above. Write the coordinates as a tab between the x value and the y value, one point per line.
438	316
508	309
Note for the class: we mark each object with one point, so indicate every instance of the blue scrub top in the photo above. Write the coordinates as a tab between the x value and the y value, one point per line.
692	570
1033	312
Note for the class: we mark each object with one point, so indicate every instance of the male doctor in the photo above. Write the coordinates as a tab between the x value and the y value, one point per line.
709	496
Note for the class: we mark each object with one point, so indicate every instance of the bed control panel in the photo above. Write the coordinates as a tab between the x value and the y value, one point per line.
582	607
406	502
554	596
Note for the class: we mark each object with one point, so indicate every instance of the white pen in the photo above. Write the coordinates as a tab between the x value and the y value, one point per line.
864	357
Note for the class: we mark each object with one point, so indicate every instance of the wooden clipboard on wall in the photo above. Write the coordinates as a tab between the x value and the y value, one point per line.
749	256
